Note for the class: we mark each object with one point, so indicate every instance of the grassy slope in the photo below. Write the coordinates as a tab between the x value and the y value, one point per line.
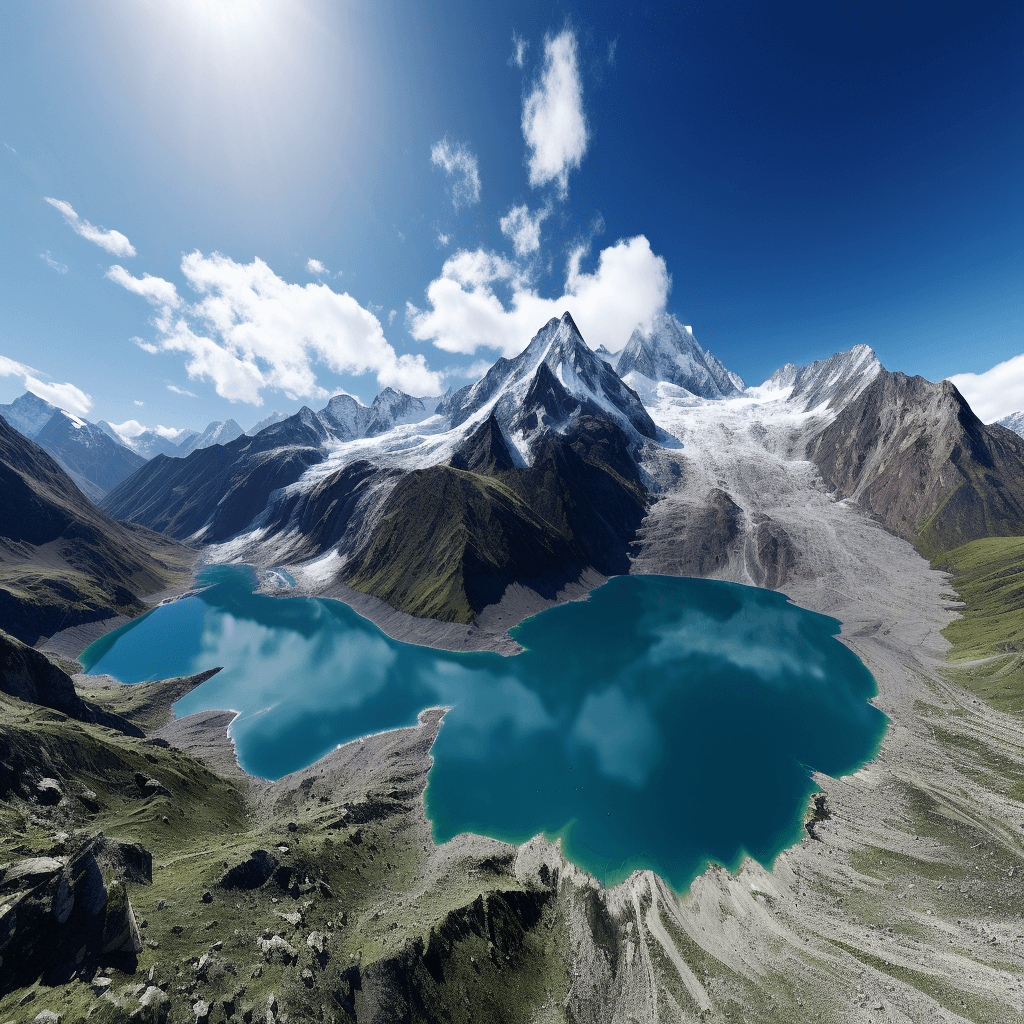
988	574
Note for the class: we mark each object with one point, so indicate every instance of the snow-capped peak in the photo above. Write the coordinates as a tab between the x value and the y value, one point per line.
827	381
550	383
669	352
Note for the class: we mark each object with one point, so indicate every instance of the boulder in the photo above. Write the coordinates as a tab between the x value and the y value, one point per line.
277	949
48	792
250	873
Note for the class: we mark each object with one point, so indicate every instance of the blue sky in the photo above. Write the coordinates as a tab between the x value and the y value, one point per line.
789	179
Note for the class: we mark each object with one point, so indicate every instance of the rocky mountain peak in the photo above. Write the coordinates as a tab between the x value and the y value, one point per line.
832	382
669	352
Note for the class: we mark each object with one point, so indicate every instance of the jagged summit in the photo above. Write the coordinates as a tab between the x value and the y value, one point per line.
555	379
832	381
669	352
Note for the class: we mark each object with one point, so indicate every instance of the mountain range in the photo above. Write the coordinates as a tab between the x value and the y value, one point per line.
556	463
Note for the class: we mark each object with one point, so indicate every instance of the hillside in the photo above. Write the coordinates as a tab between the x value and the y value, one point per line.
62	561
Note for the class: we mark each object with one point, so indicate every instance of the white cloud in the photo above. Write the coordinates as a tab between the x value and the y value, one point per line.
613	45
519	48
61	268
523	228
458	163
996	392
12	368
153	289
113	241
169	432
180	391
315	267
130	428
629	286
553	123
64	396
250	330
443	239
146	346
137	402
391	316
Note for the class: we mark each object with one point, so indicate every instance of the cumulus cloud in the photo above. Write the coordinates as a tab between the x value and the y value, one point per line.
523	228
153	289
553	123
460	165
130	428
519	47
169	432
64	396
61	268
113	241
137	402
996	392
315	267
250	330
629	287
181	391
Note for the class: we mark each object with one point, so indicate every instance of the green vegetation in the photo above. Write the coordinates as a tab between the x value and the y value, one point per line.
988	575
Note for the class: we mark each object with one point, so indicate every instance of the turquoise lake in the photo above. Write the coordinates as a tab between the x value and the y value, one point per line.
663	723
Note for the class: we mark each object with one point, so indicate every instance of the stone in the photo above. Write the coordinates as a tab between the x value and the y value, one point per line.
48	792
250	873
307	977
154	1005
100	984
48	1017
89	800
207	897
293	917
276	948
201	1011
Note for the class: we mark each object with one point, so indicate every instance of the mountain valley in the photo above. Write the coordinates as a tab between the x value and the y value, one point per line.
446	521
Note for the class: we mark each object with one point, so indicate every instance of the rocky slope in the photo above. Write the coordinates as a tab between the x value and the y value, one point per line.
62	561
915	455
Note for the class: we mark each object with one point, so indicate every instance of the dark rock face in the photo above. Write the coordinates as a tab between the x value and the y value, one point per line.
915	455
774	552
216	492
250	873
58	919
485	451
702	536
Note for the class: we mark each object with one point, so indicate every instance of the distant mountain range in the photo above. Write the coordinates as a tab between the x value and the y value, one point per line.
548	465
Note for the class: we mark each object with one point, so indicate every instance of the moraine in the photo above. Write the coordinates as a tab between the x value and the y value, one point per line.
663	723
